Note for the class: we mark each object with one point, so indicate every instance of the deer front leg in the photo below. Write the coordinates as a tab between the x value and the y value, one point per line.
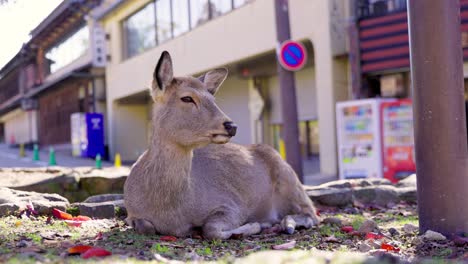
291	222
223	228
142	226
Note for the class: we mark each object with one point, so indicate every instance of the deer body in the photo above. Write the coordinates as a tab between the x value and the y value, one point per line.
182	181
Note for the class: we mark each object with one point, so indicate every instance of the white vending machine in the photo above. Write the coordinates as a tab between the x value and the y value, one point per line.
375	139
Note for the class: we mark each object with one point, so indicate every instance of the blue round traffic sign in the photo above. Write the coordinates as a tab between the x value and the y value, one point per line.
292	55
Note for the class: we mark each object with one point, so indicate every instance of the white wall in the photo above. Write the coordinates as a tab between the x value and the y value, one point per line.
22	125
233	99
130	131
305	94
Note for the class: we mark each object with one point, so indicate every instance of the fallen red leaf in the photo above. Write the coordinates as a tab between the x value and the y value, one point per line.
389	247
79	249
81	218
61	214
73	223
372	235
168	238
347	229
95	252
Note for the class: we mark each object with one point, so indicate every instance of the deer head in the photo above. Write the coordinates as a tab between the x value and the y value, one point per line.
185	112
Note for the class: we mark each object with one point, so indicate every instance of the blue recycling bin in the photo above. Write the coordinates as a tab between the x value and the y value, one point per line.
87	134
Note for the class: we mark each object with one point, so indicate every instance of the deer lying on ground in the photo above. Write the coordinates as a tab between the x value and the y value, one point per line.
183	182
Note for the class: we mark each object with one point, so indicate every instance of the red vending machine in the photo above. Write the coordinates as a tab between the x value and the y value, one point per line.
398	156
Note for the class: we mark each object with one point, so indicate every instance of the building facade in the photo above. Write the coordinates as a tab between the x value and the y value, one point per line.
382	46
240	35
59	71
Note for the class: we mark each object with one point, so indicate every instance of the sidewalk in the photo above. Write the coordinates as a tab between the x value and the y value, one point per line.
9	158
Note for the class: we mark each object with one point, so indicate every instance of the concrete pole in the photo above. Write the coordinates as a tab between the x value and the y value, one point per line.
439	115
290	130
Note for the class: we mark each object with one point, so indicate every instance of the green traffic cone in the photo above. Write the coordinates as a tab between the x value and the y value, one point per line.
35	153
52	160
98	161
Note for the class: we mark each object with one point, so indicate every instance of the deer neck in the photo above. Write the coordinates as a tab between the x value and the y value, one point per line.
169	168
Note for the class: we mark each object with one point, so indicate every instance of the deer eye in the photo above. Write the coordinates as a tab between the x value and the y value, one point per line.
187	99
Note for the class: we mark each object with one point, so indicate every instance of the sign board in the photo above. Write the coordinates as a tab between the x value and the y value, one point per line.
98	45
292	55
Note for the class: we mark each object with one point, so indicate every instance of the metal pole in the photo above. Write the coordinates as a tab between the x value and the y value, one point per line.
290	129
439	115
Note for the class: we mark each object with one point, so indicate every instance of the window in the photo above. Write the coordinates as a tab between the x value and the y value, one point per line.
140	31
180	16
199	12
69	50
163	20
238	3
219	7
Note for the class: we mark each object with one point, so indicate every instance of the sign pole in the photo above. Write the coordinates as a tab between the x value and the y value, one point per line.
439	115
290	130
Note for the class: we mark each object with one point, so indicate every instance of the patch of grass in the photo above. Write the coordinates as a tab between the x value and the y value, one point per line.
204	251
325	230
36	238
402	220
444	252
357	221
119	212
73	211
160	249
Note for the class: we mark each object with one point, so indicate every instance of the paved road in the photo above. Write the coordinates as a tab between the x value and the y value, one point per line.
9	158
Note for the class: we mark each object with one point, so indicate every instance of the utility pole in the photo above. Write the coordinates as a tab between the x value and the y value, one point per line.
290	130
439	115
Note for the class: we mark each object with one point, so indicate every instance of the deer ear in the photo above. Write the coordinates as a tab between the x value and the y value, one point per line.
213	79
163	73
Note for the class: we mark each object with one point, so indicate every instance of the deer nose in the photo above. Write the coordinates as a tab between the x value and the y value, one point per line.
231	128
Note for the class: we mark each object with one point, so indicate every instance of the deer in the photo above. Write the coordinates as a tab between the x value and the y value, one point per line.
191	177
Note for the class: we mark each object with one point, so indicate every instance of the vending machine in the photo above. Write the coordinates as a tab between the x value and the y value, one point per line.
375	139
87	134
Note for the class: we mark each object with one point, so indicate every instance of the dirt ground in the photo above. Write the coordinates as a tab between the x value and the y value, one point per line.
45	239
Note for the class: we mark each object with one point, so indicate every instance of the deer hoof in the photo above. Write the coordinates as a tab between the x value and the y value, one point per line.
144	227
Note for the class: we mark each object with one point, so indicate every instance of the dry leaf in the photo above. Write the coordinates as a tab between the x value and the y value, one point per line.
168	238
95	252
78	249
289	245
61	214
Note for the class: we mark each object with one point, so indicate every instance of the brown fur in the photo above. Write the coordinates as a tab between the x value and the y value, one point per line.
182	181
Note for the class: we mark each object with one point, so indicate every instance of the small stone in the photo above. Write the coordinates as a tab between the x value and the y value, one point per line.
460	241
374	244
410	229
393	231
367	226
433	236
331	196
364	247
332	221
103	198
97	210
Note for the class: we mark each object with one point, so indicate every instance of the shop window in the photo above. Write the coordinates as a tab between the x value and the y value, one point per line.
199	12
69	50
220	7
180	15
238	3
140	31
163	20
